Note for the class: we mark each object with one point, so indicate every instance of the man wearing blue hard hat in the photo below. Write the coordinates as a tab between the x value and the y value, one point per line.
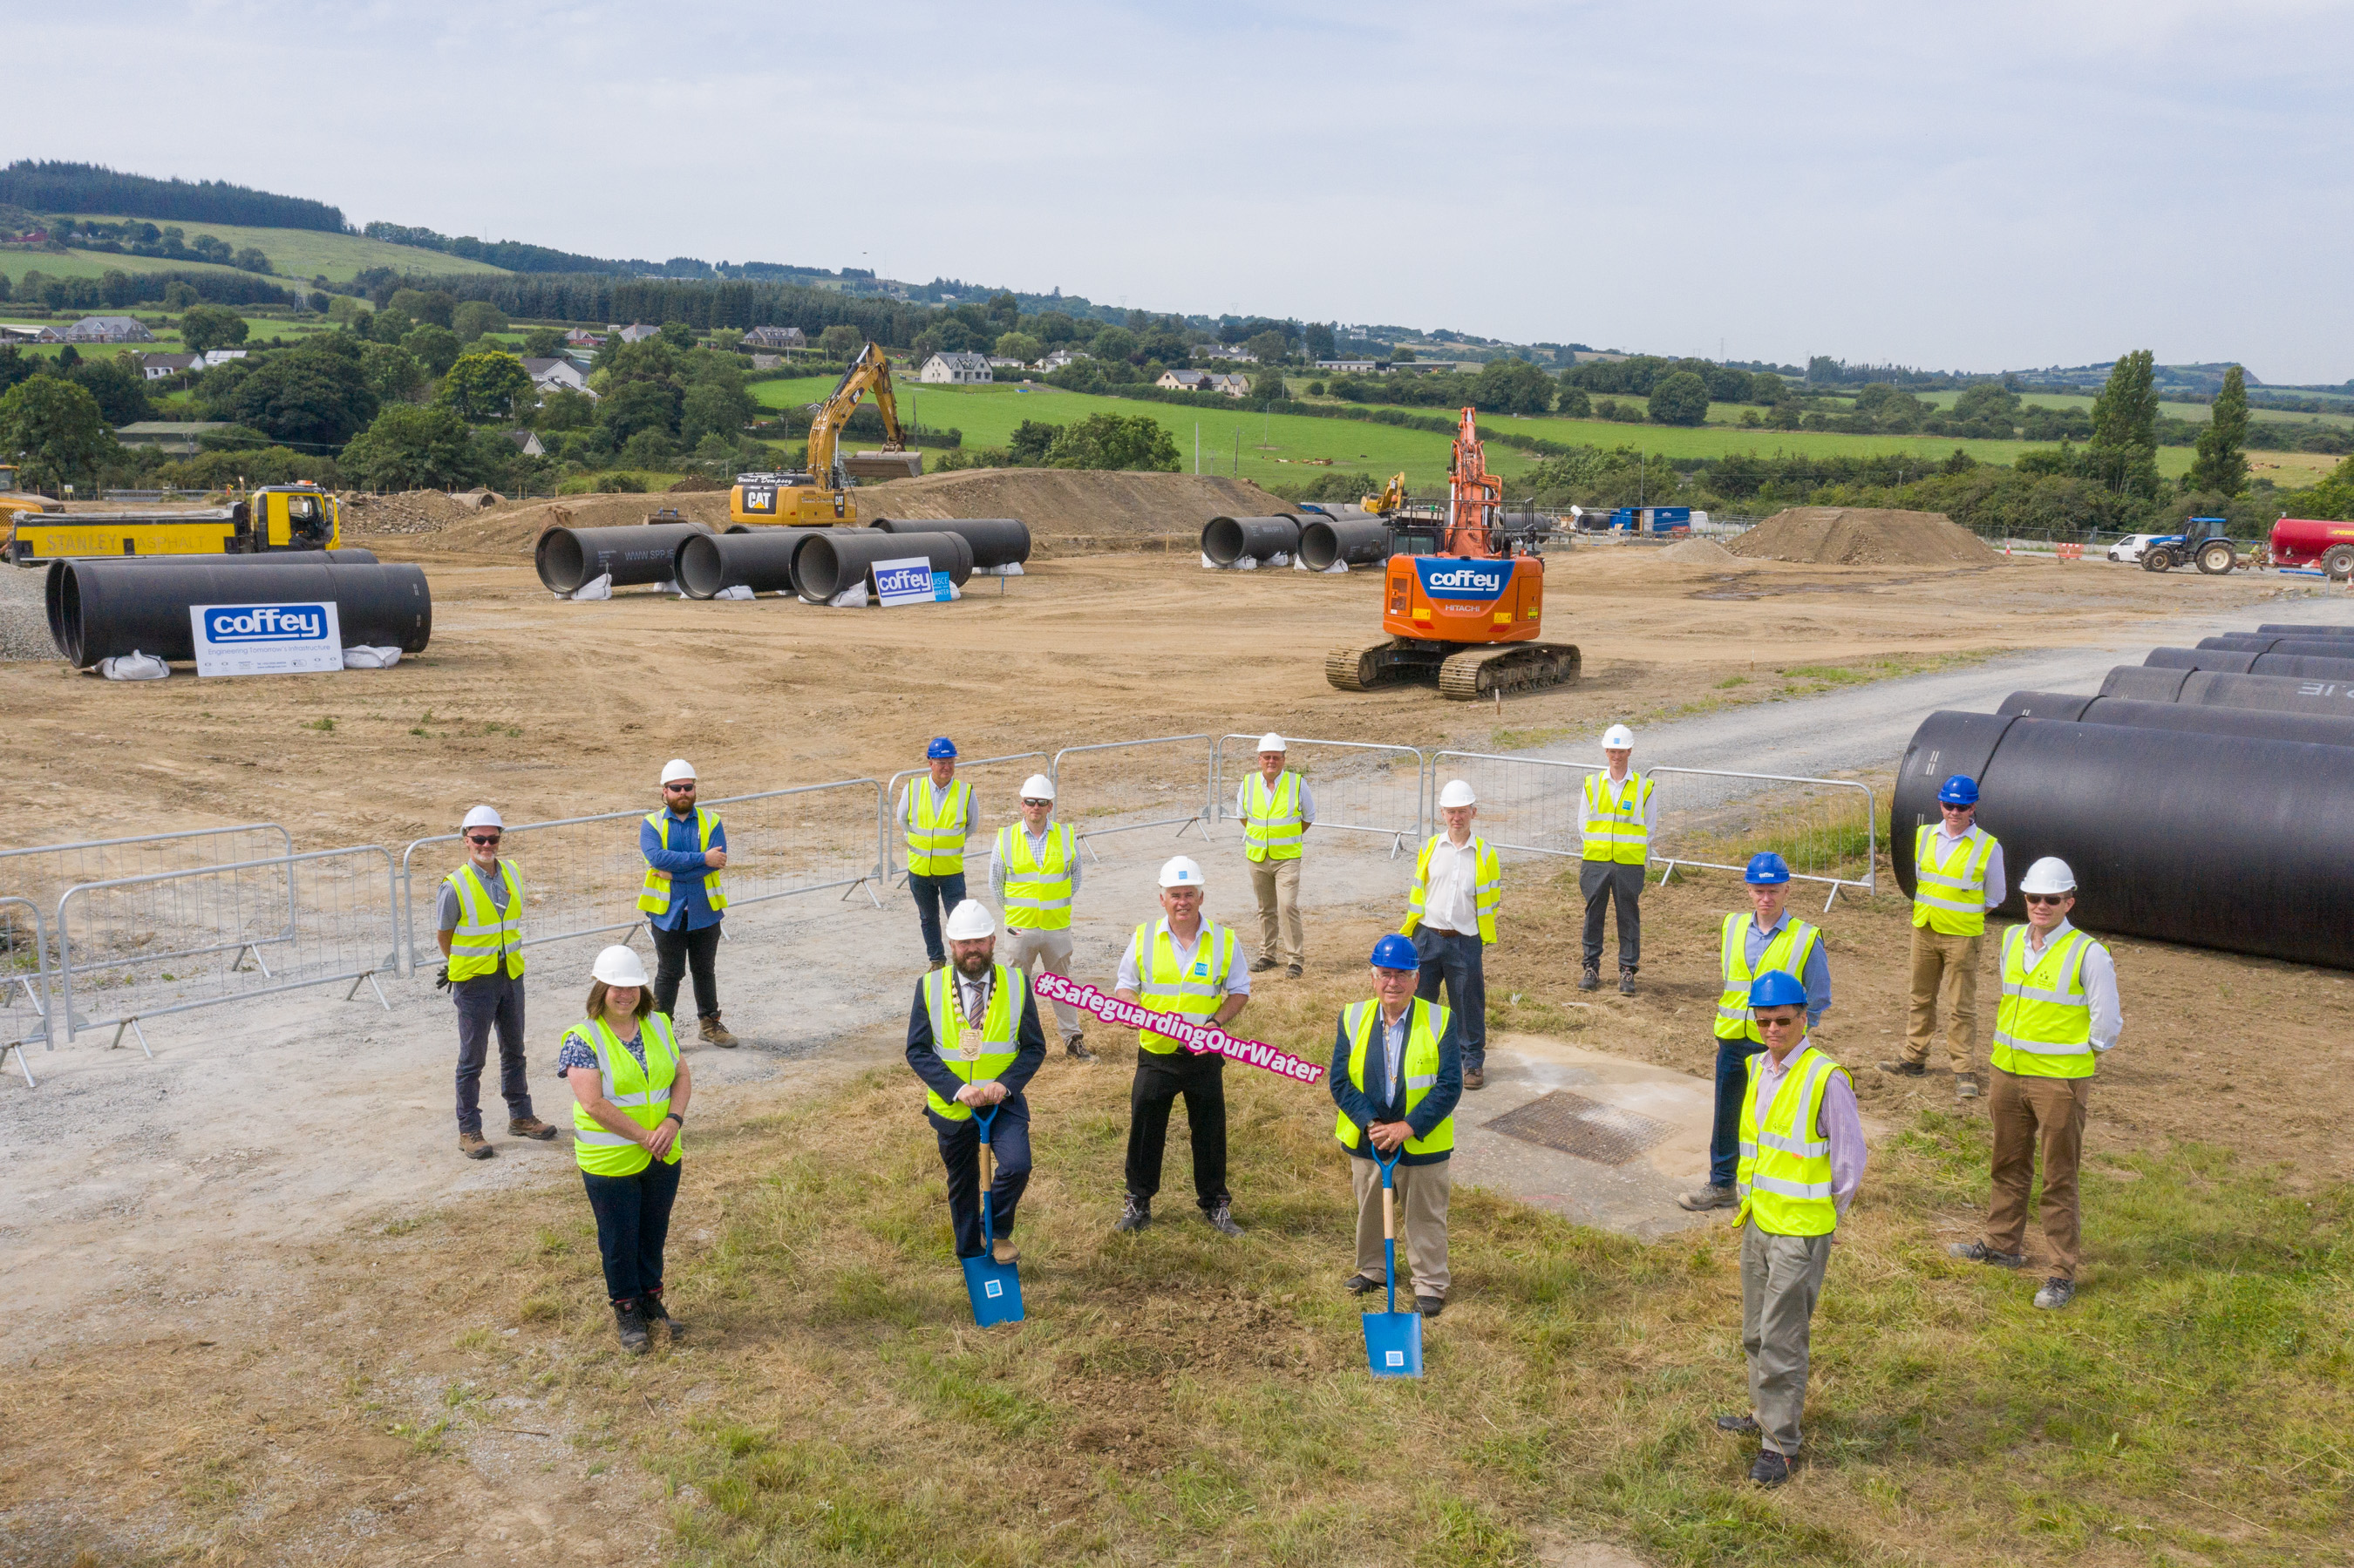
1802	1157
1956	878
1767	938
1397	1072
936	816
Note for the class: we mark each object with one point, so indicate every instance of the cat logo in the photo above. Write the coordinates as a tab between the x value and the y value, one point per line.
761	498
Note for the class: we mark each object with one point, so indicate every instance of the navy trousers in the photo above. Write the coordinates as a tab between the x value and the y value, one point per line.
1457	959
935	896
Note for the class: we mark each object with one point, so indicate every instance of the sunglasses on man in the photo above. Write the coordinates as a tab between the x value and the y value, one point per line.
685	788
2047	897
1779	1022
483	838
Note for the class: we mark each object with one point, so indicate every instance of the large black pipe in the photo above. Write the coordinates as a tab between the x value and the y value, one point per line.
762	561
2260	724
2276	694
839	559
1357	539
570	559
995	541
1226	540
2247	663
2212	841
52	586
105	607
2294	647
2274	630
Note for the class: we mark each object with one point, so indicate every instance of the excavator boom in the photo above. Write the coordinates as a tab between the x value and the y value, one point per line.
871	371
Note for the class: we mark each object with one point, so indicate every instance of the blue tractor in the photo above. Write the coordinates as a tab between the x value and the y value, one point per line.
2203	542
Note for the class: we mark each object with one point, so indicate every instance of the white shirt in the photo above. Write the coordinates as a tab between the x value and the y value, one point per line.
1037	853
1650	802
2100	983
1130	979
1450	897
907	795
1394	1047
973	995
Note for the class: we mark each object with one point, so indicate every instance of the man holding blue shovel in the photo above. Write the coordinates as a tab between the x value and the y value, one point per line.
974	1039
1397	1071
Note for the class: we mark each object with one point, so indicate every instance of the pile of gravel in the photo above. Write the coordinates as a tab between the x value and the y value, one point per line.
23	620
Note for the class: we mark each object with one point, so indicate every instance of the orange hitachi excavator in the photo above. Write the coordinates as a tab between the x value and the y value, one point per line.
1468	612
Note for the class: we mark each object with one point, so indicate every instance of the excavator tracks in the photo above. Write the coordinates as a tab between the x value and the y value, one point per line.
1514	667
1361	668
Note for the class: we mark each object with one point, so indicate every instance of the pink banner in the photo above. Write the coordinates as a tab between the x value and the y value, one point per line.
1200	1038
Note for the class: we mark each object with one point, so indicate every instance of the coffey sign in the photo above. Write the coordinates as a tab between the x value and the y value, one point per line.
266	639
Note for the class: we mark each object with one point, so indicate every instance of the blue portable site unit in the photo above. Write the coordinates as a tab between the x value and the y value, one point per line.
1652	519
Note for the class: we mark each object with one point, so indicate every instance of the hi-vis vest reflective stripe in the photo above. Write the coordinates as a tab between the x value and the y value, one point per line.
1487	886
484	932
642	1094
1949	895
654	899
999	1030
1037	893
935	828
1787	952
1197	990
1614	819
1271	824
1786	1166
1418	1065
2044	1027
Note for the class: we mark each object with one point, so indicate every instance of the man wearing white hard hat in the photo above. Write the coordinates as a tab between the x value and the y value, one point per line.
2059	1014
1458	881
1033	870
1277	809
684	899
1616	815
973	1039
1184	963
481	931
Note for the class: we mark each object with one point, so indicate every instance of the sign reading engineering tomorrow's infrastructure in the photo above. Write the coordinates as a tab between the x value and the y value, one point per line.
266	639
911	581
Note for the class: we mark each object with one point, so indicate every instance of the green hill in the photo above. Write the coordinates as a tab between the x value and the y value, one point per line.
299	254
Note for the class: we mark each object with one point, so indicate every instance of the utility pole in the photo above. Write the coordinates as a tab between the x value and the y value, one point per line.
1197	449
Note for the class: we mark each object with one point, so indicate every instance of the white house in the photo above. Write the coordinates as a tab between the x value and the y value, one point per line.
1232	386
13	331
527	443
766	361
637	332
1350	366
108	329
556	375
999	362
1235	352
1060	357
1185	380
214	357
956	368
162	366
781	337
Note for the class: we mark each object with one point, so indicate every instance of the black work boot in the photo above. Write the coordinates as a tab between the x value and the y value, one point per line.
630	1324
1592	978
1135	1213
650	1306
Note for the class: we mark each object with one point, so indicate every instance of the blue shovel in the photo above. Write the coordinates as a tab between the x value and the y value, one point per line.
996	1287
1393	1339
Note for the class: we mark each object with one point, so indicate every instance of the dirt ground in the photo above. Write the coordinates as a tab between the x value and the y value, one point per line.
1863	536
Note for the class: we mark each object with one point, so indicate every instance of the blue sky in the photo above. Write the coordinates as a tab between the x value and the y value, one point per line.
1980	188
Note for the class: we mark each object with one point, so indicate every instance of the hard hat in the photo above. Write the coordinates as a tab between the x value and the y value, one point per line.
1395	953
1456	793
1038	786
971	921
482	817
2049	874
1767	870
1180	871
1961	790
620	966
1617	737
1777	988
676	768
941	746
1271	741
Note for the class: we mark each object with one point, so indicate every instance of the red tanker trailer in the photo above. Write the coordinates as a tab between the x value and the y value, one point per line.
2304	542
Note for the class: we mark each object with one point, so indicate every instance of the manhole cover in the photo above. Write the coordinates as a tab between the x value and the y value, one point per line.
1588	1128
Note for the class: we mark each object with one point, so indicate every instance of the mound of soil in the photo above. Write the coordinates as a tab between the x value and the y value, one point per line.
508	530
1697	552
1078	511
1863	536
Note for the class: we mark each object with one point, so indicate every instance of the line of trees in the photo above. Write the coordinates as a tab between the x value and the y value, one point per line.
46	186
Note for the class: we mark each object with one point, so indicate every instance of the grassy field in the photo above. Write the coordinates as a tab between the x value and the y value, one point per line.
2196	412
303	253
259	329
15	263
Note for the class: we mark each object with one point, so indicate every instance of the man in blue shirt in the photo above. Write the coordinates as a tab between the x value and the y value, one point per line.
684	899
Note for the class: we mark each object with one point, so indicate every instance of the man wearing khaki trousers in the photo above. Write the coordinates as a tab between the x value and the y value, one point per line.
1277	809
1956	878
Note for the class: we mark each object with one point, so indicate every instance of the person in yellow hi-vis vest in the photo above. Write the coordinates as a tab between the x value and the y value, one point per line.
1615	818
630	1090
1957	876
1459	881
1034	870
481	932
1184	963
1398	1073
2059	1014
684	899
936	816
1277	809
1802	1157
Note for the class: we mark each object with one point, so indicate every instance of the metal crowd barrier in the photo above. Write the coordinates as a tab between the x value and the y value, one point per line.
1815	834
1126	792
581	875
44	872
1526	803
317	912
886	823
1359	790
27	976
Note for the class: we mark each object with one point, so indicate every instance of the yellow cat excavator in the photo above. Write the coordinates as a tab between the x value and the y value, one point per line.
1390	498
824	495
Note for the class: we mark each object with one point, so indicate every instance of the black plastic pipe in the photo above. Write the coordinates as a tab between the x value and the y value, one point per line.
995	541
2276	694
2212	841
2243	663
570	559
2294	647
51	586
1226	540
836	559
2259	724
104	607
2274	630
1356	539
762	562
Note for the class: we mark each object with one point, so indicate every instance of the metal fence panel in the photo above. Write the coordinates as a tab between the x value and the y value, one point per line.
24	982
1116	787
1826	829
43	871
144	947
1359	787
581	875
1526	803
994	800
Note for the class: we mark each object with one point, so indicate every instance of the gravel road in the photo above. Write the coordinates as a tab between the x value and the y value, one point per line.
24	624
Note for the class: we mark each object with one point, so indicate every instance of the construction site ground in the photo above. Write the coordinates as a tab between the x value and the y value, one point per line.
265	1314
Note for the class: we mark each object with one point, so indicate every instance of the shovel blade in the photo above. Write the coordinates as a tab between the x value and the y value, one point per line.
1394	1343
996	1290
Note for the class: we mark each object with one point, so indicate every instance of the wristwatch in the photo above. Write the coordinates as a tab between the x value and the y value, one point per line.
676	1118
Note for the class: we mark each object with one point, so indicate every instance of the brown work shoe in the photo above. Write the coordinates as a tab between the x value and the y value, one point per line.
1965	1085
1004	1250
1264	963
715	1033
1075	1047
1475	1077
1702	1198
530	1126
1901	1069
474	1146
